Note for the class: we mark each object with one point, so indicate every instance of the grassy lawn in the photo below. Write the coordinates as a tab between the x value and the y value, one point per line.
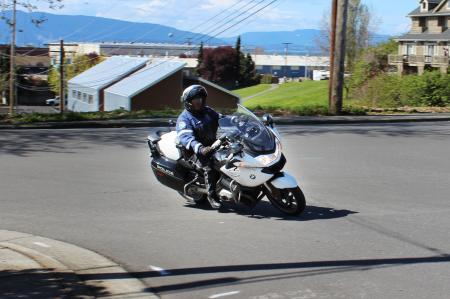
310	97
249	91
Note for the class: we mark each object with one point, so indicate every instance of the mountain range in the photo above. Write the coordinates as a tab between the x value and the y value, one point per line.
73	28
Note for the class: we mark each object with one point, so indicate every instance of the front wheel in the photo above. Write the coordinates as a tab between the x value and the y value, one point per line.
290	201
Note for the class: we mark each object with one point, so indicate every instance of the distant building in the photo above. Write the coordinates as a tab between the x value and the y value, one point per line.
290	66
427	44
133	83
120	49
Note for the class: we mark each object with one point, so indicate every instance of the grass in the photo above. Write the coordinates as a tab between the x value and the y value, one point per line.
252	90
305	98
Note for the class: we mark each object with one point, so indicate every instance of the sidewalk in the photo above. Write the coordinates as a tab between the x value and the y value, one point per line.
36	267
294	120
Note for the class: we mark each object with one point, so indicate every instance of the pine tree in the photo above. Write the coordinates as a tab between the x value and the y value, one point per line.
238	63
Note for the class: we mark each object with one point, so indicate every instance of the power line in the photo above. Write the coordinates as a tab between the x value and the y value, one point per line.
221	24
237	23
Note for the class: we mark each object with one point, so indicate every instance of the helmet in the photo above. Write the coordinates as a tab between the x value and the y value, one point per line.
192	92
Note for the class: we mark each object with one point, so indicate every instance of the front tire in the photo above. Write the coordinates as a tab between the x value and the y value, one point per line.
290	201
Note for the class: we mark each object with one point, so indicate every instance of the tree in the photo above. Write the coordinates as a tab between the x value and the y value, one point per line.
359	26
14	5
239	62
217	65
80	64
227	66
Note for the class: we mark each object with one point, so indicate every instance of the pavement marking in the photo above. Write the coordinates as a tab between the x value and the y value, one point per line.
161	271
221	222
224	294
41	244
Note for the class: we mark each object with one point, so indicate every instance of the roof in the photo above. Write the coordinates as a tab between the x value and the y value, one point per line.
444	36
204	81
190	62
280	60
433	12
152	74
109	71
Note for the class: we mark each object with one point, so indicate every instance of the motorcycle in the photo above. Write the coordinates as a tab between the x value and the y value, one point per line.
247	156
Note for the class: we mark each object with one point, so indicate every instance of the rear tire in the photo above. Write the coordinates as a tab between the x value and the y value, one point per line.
199	199
290	201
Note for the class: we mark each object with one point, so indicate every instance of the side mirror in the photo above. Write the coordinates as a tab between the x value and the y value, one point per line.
267	120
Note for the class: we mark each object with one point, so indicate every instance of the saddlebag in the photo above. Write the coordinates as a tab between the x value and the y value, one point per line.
169	173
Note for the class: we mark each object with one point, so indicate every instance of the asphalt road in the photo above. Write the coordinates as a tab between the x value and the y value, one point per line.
377	223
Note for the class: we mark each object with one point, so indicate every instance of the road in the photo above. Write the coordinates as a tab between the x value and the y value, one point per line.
377	223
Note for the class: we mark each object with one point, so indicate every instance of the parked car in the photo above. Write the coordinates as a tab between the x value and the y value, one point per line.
53	102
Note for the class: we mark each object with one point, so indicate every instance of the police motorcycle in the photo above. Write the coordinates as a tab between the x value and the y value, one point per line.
247	155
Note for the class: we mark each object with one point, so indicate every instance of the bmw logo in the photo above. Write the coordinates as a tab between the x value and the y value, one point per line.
252	176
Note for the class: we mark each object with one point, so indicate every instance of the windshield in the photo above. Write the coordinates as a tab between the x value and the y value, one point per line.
244	125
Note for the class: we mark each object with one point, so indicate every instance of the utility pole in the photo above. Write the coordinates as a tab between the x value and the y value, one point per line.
286	49
61	77
12	64
337	57
334	4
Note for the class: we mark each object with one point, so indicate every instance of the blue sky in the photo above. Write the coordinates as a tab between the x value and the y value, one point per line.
282	15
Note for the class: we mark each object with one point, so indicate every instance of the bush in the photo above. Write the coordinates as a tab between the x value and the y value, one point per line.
431	89
266	79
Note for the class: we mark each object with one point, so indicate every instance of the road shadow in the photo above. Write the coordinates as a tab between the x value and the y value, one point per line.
25	143
265	210
45	283
241	273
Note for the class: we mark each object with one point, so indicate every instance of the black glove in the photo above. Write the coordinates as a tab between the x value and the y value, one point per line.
205	150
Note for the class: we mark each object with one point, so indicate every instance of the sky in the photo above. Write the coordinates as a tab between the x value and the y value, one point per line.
283	15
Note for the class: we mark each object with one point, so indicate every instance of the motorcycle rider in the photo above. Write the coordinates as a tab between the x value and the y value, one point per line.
196	131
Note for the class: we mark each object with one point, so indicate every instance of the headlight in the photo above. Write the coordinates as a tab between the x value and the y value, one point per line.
266	160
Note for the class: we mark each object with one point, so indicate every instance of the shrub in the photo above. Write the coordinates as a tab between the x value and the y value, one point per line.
266	79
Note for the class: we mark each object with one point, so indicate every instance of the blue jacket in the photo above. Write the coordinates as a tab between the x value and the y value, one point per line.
196	130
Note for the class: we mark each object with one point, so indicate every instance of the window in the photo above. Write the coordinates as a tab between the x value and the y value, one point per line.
276	68
85	97
259	67
74	94
79	95
442	22
424	6
91	99
295	68
410	49
423	22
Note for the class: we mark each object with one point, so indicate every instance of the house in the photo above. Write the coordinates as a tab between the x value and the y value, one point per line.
426	46
86	91
132	83
157	86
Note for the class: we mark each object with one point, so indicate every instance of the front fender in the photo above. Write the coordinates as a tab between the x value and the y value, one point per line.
284	180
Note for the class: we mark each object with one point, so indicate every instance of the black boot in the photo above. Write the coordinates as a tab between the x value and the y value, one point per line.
210	183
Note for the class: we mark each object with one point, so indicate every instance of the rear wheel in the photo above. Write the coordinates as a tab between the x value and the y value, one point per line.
290	201
196	198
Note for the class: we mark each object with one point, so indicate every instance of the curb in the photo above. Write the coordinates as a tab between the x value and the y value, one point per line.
283	121
76	266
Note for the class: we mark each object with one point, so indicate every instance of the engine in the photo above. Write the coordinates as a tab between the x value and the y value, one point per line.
229	190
